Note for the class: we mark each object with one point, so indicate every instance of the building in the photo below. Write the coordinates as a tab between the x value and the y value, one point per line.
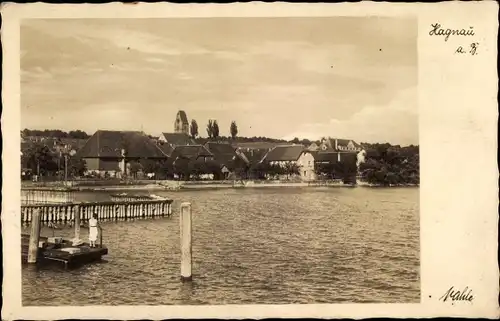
168	141
228	156
185	160
55	144
334	157
176	139
254	152
338	145
190	152
334	151
313	147
181	124
111	152
336	165
292	154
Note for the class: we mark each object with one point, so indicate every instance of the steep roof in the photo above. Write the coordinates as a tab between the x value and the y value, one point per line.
345	142
333	157
258	145
220	148
178	139
285	153
326	157
342	142
243	157
183	116
189	152
226	154
254	156
108	143
165	148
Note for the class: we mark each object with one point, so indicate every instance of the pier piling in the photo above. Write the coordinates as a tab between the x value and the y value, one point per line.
186	246
69	213
77	223
34	236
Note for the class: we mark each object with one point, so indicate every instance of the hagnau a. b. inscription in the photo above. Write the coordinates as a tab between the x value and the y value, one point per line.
438	30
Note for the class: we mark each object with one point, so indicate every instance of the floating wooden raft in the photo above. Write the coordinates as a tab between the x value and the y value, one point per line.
63	251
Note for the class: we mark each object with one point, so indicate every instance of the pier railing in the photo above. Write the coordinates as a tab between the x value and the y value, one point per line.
46	196
106	211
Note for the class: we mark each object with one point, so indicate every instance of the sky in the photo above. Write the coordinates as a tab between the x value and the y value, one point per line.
344	77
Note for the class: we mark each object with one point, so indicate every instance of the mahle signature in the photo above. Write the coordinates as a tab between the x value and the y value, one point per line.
456	295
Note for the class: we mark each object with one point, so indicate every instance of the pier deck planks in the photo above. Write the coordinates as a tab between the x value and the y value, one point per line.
55	255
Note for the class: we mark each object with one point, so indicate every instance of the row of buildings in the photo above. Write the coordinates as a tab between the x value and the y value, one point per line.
111	153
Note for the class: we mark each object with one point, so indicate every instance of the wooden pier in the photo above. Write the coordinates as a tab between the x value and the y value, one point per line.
39	249
62	252
65	213
46	196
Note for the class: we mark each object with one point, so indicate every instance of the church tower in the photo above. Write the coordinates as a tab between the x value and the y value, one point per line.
181	124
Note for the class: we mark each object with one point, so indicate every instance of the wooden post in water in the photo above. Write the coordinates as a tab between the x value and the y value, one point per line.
77	222
34	236
186	246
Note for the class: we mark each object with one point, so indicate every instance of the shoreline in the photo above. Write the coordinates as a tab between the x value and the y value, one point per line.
183	186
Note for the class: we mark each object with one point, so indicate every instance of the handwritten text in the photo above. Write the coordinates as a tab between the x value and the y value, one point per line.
472	49
456	295
437	30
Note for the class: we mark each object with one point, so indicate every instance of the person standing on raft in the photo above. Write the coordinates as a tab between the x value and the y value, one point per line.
93	231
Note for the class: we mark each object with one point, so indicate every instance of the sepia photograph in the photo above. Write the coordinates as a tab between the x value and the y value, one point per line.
287	148
249	161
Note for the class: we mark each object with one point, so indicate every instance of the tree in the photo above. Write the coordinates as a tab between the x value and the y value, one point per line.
210	129
233	129
76	166
291	168
198	167
194	129
346	171
215	129
181	168
40	160
267	170
326	170
153	166
25	132
78	134
134	168
390	165
240	167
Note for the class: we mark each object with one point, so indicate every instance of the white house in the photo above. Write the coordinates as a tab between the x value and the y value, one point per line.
293	154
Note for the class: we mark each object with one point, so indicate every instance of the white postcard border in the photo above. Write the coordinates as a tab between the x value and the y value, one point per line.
458	143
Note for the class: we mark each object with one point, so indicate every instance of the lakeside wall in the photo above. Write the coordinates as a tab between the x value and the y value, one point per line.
158	185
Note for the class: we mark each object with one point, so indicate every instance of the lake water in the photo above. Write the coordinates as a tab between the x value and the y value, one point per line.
266	246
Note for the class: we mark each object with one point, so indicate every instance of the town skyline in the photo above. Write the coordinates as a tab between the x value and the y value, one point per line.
133	74
204	136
